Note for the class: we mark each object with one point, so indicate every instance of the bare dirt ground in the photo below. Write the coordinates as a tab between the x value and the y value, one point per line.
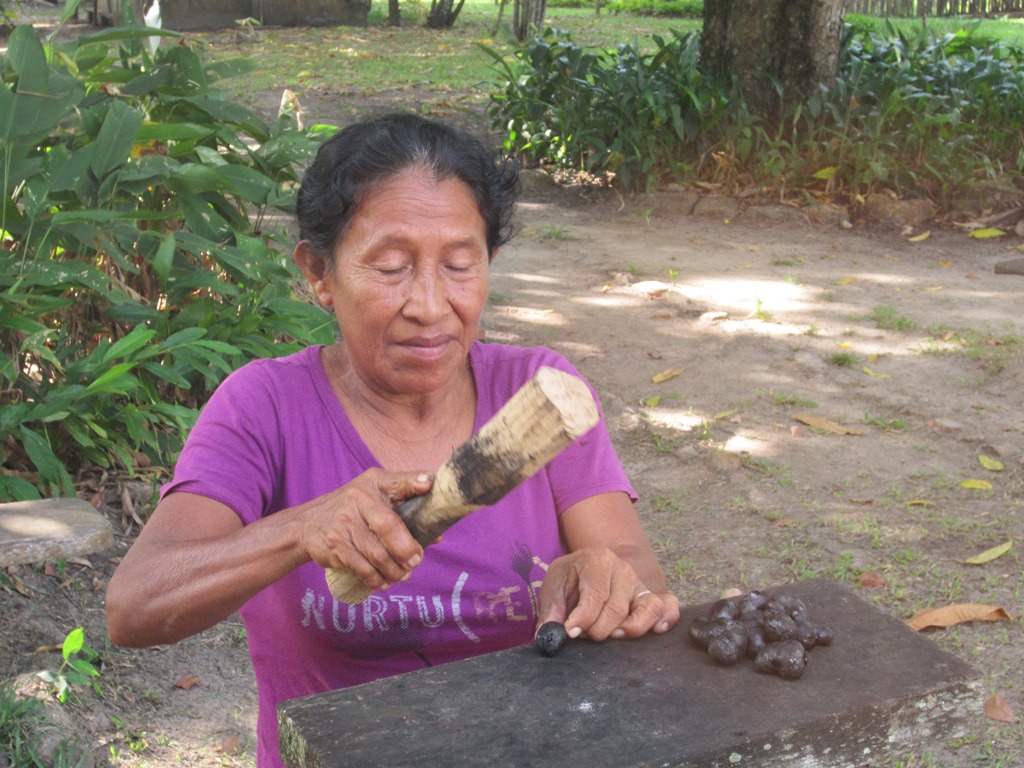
757	318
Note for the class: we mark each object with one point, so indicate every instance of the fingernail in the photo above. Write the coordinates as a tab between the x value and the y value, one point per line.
618	634
574	632
422	477
384	587
414	561
406	577
662	627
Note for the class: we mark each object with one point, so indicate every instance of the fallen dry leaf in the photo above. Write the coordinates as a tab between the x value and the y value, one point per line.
231	745
187	682
977	485
665	375
730	592
992	465
920	238
823	424
958	613
986	232
998	708
871	580
845	281
663	316
989	554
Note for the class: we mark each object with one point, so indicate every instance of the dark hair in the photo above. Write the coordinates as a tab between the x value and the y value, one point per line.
350	163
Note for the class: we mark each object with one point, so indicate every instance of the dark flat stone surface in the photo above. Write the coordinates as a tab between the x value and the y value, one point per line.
659	701
49	529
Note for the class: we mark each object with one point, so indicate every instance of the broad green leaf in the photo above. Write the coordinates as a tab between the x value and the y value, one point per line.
28	59
116	138
138	338
164	258
182	338
41	454
173	132
201	219
83	667
73	642
990	554
246	183
117	34
66	167
116	380
825	173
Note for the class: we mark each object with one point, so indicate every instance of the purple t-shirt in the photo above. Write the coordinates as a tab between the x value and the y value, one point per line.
275	435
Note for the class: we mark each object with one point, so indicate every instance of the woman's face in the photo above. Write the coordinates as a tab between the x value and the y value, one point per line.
409	283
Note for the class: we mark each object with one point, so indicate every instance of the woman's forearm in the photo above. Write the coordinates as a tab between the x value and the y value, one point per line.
168	588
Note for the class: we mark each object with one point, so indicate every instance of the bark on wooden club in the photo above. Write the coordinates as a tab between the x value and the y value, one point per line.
547	413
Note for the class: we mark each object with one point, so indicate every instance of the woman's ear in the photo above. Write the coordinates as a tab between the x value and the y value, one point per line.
314	268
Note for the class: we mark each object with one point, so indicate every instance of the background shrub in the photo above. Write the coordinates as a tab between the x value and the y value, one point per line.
139	263
913	111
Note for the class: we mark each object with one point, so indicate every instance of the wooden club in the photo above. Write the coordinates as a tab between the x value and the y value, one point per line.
548	412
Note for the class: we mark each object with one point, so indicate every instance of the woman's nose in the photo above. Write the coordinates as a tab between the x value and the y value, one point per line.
426	300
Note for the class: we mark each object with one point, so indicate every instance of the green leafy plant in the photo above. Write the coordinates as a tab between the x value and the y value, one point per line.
140	258
77	667
905	113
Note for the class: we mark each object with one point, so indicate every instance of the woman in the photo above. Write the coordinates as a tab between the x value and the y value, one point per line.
296	464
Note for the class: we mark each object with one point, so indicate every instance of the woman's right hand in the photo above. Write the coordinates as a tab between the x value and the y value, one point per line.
356	527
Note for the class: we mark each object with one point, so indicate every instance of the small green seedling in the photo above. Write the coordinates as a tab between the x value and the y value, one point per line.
77	668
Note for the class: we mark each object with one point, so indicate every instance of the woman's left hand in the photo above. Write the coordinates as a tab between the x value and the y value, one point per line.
596	593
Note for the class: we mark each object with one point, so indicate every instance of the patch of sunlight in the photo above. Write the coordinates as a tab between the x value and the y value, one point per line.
683	421
609	300
742	296
528	278
745	446
534	315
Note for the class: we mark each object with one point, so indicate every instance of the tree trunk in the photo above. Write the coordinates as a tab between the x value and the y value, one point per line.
528	18
394	14
765	46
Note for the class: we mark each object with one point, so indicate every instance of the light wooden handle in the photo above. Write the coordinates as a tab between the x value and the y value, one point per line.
547	413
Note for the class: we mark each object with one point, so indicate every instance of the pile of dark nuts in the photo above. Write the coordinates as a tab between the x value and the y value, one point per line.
773	631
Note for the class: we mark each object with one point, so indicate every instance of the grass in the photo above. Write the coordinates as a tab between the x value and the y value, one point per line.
843	359
887	424
886	317
447	68
785	399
